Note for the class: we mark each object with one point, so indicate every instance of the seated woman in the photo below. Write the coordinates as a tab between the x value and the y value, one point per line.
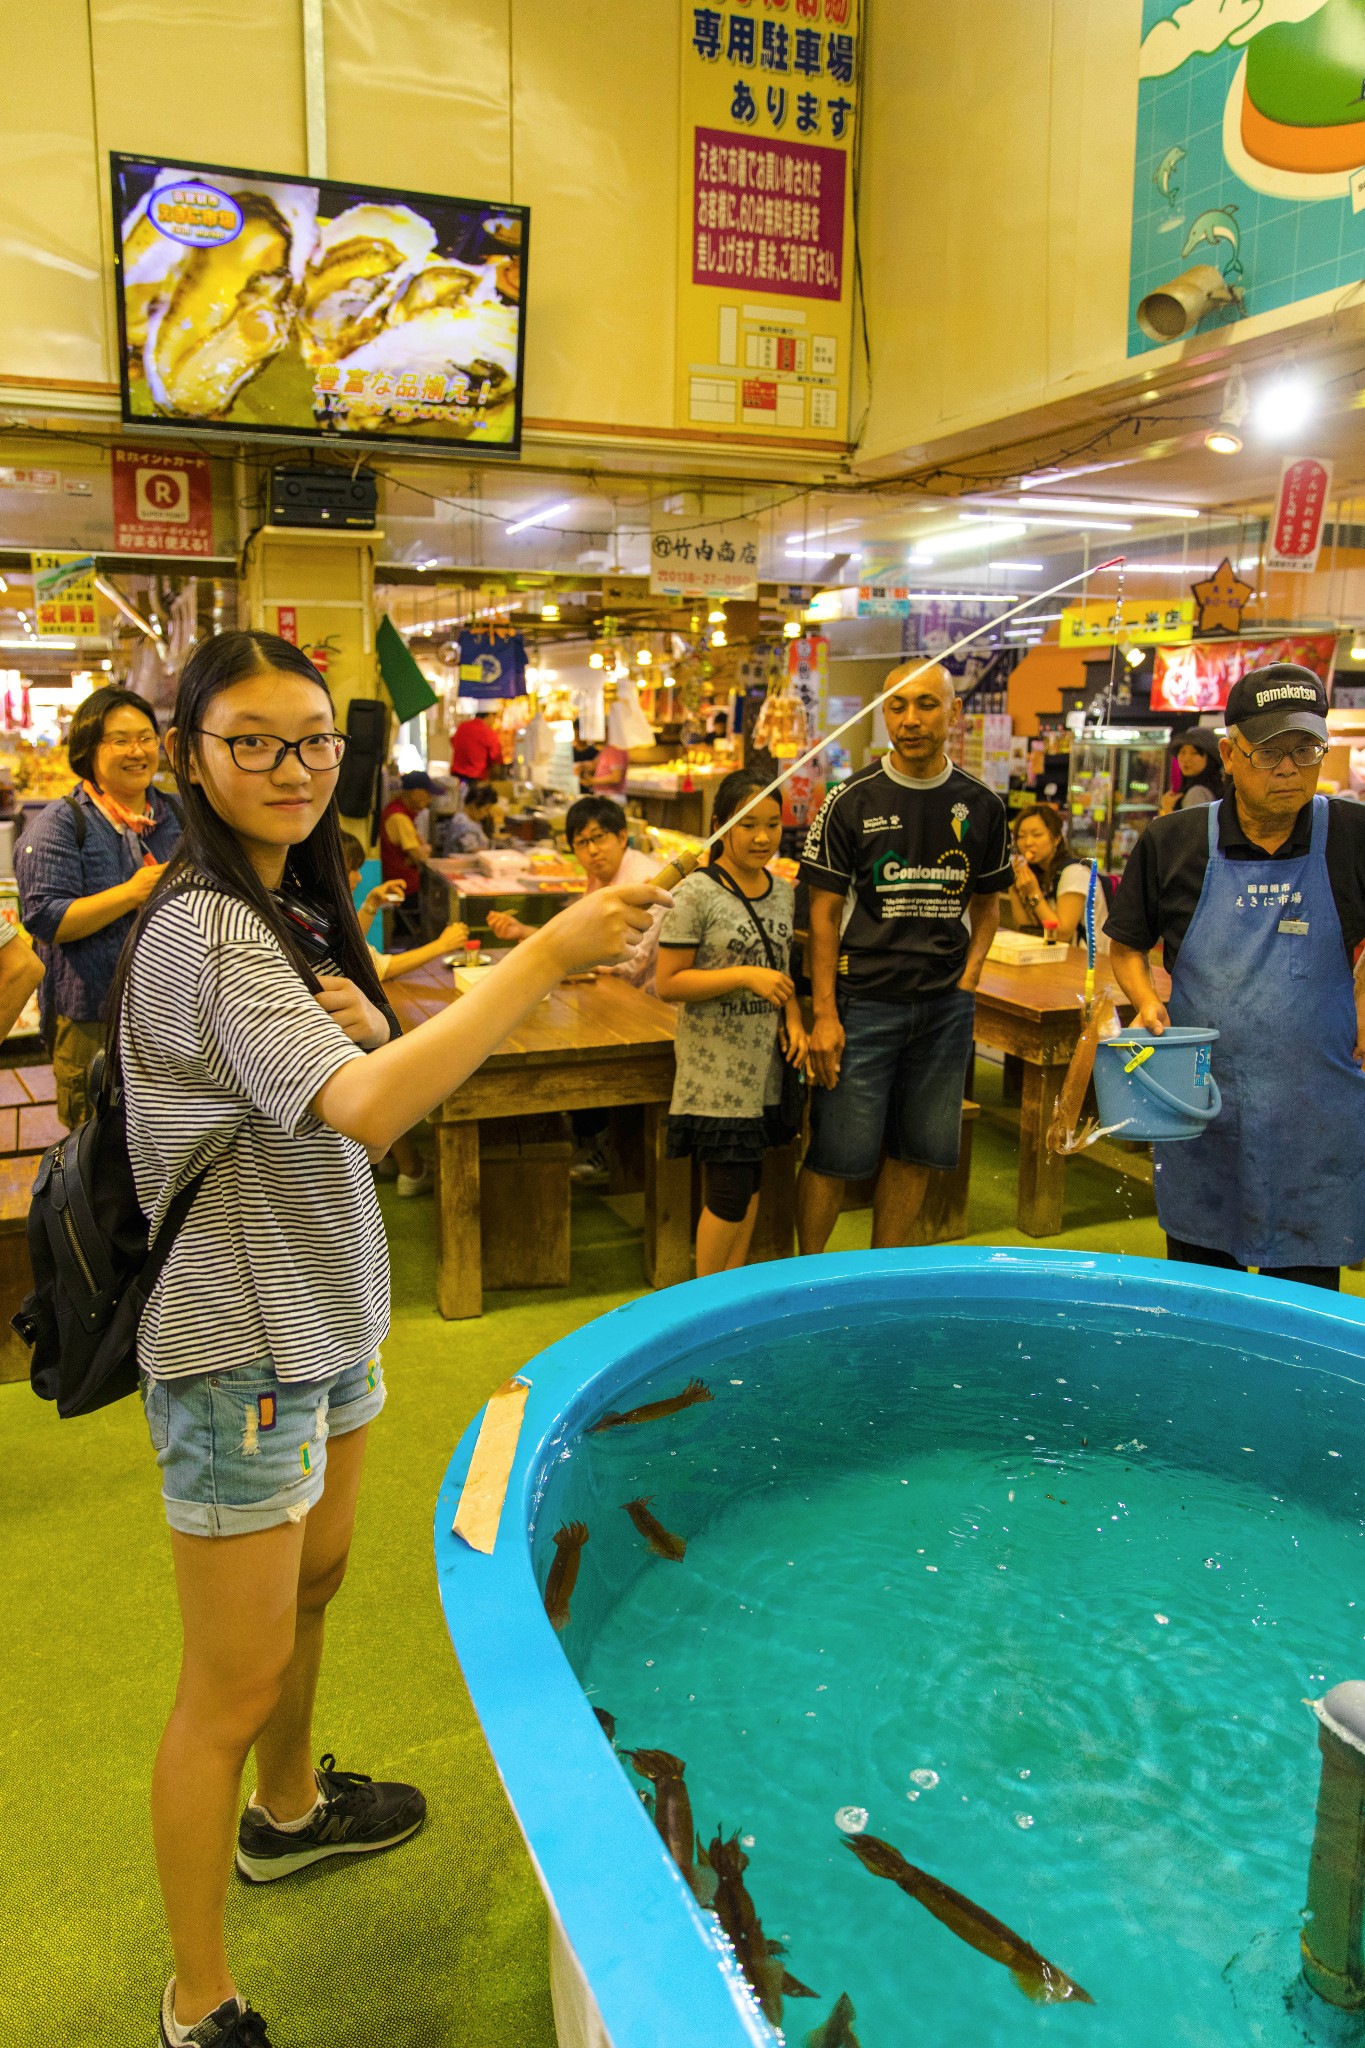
476	824
1050	884
85	867
1197	756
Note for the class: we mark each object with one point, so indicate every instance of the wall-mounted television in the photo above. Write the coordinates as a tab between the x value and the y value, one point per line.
255	303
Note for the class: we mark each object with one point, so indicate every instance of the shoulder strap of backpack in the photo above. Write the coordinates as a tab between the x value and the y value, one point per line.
78	815
719	876
172	1223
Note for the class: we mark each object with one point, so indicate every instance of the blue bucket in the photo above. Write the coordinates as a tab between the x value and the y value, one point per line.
1157	1089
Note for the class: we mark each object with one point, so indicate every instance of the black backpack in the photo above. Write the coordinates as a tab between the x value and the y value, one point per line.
93	1267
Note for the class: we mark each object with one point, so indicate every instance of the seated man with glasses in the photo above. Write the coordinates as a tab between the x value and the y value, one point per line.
1259	902
598	836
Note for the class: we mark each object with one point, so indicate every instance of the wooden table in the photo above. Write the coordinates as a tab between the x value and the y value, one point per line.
588	1045
454	890
1035	1013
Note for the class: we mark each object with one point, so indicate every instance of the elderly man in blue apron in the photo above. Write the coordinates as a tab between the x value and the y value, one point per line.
1259	901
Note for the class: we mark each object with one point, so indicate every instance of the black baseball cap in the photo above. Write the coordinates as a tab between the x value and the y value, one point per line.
1281	698
417	778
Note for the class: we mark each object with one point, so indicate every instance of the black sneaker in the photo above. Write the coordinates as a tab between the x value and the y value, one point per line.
357	1817
229	2025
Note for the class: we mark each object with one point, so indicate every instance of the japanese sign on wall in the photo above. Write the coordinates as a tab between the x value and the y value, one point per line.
1295	537
64	595
765	283
1198	678
1137	622
163	502
692	557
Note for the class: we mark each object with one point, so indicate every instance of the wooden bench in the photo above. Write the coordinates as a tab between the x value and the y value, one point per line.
16	1275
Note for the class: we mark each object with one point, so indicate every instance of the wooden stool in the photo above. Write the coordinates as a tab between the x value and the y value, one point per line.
524	1166
944	1212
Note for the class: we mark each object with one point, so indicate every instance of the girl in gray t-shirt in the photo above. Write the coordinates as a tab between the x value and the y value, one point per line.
724	954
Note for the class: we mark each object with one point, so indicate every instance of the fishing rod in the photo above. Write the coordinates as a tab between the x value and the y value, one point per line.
682	864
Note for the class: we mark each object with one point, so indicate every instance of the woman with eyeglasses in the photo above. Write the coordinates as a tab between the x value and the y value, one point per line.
252	1045
1259	902
85	867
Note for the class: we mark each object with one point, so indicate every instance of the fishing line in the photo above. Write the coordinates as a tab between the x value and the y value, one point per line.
682	865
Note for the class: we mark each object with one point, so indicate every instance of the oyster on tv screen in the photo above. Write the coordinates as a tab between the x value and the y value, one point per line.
284	305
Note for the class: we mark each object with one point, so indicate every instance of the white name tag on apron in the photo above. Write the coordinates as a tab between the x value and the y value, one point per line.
1296	927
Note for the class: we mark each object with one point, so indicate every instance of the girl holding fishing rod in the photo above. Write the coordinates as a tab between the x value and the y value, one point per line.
259	1347
724	954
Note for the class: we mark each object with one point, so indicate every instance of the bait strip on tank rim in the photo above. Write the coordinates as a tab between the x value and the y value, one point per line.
485	1486
682	864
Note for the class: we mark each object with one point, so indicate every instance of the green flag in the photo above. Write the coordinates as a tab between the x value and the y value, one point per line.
409	691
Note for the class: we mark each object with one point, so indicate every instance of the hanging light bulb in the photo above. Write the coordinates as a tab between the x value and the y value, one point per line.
597	661
718	636
1358	646
716	618
1226	437
643	656
1134	656
792	629
1284	404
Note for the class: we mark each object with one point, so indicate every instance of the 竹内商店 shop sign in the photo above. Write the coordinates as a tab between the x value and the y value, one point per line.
692	557
765	290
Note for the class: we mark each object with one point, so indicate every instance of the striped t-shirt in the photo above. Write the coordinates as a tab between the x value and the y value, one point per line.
283	1254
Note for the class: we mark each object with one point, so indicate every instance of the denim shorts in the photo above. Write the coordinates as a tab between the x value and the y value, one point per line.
243	1450
899	1088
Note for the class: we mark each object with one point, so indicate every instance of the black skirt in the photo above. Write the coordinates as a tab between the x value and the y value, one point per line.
727	1140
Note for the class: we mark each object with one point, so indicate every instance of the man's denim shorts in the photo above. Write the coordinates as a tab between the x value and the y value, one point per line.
899	1089
242	1450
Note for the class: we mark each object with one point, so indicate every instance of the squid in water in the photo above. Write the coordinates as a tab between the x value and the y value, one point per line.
654	1411
1035	1976
568	1540
673	1815
759	1958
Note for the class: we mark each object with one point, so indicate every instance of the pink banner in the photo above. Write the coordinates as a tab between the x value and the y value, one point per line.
769	214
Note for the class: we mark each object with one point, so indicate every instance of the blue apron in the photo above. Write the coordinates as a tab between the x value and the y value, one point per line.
1278	1179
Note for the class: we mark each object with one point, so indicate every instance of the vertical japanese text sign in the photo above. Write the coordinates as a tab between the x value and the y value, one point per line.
1295	539
765	284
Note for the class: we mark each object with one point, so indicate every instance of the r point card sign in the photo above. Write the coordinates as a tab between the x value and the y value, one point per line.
1295	538
163	503
765	286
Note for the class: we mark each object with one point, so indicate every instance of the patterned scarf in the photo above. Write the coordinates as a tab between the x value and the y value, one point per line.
117	813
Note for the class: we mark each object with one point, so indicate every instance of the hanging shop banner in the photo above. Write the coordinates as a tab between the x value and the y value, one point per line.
1250	153
1135	623
1198	678
696	557
64	595
163	502
808	674
1295	537
765	287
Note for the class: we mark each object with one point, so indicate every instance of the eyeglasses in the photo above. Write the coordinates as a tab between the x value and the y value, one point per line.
258	752
588	842
137	744
1303	753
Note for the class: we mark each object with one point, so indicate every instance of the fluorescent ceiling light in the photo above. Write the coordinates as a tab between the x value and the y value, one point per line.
1075	523
1136	508
972	533
822	554
539	518
33	643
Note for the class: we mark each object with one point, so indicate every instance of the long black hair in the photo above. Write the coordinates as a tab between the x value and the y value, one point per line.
1205	742
210	854
739	788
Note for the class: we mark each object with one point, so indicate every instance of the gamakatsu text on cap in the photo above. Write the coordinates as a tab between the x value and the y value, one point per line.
1286	690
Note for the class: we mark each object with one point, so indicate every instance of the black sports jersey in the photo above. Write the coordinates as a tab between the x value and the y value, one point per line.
909	856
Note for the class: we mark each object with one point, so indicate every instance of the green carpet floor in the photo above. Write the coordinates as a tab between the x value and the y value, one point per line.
443	1942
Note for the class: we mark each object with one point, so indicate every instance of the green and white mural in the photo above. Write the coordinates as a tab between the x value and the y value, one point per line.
1250	151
